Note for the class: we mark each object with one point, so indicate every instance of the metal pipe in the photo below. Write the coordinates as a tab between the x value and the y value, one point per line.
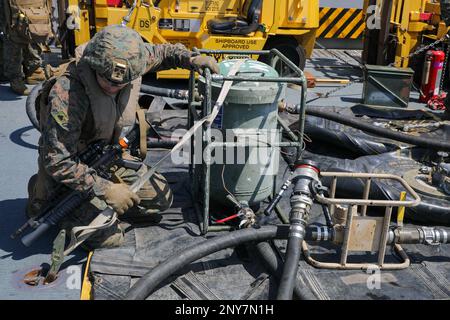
289	63
126	19
220	78
411	203
384	235
191	119
288	130
240	52
280	214
206	143
302	112
399	235
302	117
215	144
419	235
350	211
277	197
366	195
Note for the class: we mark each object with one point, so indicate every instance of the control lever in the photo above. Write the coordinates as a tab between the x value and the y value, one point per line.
277	199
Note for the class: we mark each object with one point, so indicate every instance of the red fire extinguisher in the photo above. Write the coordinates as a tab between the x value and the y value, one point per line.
432	75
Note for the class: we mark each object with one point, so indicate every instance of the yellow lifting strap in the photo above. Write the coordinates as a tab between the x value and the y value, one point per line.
401	210
143	128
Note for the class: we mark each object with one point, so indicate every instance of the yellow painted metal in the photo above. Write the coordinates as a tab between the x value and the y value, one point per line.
302	14
401	210
408	28
341	23
80	14
80	36
86	287
296	18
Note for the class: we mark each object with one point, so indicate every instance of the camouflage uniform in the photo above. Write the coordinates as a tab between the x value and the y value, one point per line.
2	75
20	60
21	49
71	118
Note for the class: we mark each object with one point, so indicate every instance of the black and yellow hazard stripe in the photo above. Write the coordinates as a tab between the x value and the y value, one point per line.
340	23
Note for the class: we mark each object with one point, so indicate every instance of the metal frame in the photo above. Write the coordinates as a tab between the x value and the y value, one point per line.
352	205
200	174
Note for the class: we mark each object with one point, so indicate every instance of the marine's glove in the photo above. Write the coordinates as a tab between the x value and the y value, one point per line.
199	63
120	197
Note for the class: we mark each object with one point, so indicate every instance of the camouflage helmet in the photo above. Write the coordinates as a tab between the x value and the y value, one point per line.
117	53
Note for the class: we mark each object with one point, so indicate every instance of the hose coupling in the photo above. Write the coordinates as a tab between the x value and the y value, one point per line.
300	206
297	230
322	233
432	236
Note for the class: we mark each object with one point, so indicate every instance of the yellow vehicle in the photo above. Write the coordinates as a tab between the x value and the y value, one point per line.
288	25
400	27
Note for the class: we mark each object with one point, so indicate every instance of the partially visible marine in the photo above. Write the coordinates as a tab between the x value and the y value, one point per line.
75	110
2	36
27	26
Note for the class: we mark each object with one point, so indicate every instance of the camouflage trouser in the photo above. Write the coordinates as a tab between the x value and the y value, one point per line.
2	73
2	36
155	196
20	59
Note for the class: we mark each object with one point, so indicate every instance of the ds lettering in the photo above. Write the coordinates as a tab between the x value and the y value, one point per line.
144	24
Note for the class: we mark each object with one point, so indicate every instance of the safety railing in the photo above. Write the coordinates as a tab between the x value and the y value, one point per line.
360	232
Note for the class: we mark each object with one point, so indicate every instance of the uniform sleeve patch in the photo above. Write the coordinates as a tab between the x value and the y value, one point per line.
61	117
58	98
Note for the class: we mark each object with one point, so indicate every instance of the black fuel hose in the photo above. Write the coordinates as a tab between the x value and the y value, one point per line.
30	105
164	92
290	268
430	143
145	286
275	265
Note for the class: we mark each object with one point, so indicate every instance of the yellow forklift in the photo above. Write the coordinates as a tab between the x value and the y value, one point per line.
288	25
399	30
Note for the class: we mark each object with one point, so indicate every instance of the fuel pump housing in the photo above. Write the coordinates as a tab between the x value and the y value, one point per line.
248	117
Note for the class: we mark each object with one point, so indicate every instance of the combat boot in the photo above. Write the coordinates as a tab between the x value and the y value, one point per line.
38	76
51	71
3	79
19	87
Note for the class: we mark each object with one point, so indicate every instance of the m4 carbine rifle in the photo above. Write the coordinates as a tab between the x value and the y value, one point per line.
98	156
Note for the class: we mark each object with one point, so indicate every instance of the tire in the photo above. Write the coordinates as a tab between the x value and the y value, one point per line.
30	106
290	48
